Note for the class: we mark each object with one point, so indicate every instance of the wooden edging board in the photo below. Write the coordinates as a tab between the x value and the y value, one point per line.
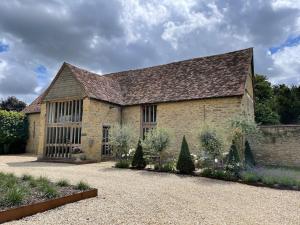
28	210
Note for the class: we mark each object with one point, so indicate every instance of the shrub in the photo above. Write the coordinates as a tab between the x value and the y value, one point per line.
63	183
82	186
212	145
185	163
13	132
155	142
166	166
207	172
233	158
286	181
218	174
268	180
121	139
138	160
122	164
249	176
14	195
249	158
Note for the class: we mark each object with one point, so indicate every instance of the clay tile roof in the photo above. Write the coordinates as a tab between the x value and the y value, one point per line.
35	106
206	77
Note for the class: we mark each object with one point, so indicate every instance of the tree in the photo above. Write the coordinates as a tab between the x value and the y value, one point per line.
265	115
12	104
155	142
288	103
262	89
121	138
138	160
249	158
233	157
185	163
265	108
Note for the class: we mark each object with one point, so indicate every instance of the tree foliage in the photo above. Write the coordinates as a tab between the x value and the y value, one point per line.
249	158
185	163
12	104
155	142
14	130
276	104
288	103
138	160
233	157
121	138
211	143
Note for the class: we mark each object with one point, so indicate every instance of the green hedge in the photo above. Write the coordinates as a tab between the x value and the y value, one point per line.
13	132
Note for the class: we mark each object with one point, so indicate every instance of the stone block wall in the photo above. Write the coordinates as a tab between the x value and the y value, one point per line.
33	133
96	114
280	145
188	117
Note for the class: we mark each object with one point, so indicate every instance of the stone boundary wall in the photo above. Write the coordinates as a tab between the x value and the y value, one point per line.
280	146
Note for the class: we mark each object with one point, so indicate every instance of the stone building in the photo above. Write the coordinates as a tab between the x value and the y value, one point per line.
79	107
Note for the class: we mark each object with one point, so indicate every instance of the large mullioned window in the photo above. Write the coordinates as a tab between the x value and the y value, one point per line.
63	128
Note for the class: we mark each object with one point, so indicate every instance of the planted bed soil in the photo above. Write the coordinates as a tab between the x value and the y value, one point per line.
26	190
36	196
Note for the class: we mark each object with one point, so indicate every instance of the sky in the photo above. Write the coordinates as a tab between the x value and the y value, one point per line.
36	37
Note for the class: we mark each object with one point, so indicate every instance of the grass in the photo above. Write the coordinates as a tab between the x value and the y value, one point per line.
82	186
15	195
15	190
63	183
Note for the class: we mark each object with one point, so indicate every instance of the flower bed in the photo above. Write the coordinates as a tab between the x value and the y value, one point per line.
23	196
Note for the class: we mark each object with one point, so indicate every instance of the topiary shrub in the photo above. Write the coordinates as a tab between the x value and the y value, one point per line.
185	163
233	156
233	160
138	160
249	158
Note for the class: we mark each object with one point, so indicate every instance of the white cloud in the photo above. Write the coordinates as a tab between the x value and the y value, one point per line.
136	16
192	21
279	4
107	36
3	67
286	61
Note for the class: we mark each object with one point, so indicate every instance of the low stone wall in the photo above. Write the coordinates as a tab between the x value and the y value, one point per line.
280	145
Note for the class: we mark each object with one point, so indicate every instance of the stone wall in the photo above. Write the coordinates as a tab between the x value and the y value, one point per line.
96	114
189	117
42	130
280	146
33	133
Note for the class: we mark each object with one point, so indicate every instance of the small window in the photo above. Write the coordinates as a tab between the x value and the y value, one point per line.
106	148
33	132
148	118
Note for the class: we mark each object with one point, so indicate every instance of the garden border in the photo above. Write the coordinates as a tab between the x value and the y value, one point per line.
195	174
31	209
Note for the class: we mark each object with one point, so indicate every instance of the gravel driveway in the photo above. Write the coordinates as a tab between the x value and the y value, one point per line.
140	197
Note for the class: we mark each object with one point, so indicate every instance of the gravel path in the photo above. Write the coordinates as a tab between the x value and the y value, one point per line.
140	197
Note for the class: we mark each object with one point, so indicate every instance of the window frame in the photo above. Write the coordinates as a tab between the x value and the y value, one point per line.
106	149
148	118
